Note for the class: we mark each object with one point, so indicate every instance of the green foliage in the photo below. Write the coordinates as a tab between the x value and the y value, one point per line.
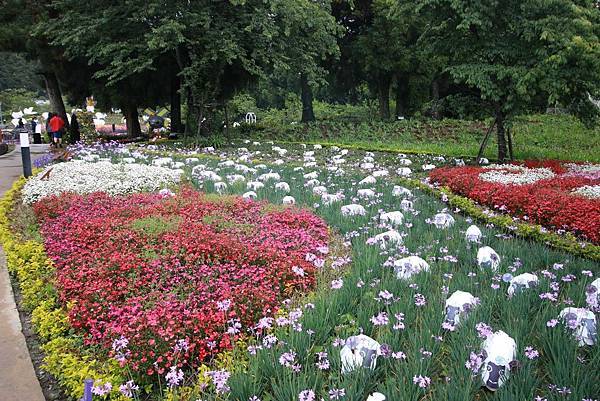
17	99
18	72
87	128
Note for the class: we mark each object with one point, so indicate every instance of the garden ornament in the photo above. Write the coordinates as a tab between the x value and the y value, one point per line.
521	282
459	304
499	357
473	234
583	323
488	258
359	351
405	268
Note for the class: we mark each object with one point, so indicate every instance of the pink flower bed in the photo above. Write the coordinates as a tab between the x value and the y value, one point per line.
187	270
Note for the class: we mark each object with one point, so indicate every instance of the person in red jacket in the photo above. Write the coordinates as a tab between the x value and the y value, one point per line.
57	125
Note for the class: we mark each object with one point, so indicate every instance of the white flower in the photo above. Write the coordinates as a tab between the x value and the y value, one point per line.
84	177
588	191
516	175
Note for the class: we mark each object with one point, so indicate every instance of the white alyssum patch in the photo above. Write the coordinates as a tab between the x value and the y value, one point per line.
515	175
588	191
84	177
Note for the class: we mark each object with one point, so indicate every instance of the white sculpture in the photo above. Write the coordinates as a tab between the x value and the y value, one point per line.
359	351
443	220
405	268
288	200
395	218
459	304
488	258
583	323
388	239
473	234
353	210
500	353
521	282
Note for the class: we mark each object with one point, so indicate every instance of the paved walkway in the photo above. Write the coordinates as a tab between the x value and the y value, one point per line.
18	381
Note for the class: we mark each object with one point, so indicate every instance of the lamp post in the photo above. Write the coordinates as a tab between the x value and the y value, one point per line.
25	153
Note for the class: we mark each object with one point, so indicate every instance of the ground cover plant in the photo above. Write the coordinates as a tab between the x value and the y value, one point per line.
297	355
558	195
159	271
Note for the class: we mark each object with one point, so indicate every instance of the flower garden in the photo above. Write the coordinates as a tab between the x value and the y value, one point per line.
279	272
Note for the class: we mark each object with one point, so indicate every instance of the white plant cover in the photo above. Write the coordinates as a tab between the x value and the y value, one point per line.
353	210
588	191
83	178
515	175
427	167
226	163
359	351
162	161
312	183
381	173
443	220
500	350
249	195
487	257
583	323
311	176
404	162
407	267
367	166
460	303
395	218
521	282
473	234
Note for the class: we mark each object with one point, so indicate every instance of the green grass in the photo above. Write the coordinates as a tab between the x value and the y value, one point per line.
534	137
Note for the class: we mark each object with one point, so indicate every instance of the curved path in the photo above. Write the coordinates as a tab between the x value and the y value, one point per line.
18	381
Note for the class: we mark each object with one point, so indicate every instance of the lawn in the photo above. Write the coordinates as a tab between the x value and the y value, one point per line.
296	354
535	137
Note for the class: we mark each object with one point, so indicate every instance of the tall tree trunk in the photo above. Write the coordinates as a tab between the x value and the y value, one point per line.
176	125
401	95
383	94
501	132
54	94
132	120
307	99
435	97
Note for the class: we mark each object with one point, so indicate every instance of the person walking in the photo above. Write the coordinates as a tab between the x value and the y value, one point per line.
36	129
20	124
57	125
49	130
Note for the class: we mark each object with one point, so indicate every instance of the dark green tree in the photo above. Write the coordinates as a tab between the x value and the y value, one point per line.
513	51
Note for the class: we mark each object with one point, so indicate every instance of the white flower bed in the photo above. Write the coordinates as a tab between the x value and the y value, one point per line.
589	191
515	175
84	177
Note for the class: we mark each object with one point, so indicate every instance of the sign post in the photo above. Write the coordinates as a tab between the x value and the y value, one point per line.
25	153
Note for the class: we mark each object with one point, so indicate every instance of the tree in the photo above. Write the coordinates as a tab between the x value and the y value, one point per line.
513	51
389	51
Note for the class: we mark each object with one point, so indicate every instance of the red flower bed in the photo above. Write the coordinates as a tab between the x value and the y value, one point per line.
152	269
547	202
